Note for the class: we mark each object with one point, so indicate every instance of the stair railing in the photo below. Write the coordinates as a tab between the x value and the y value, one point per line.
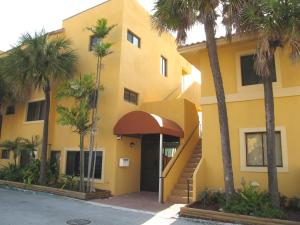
180	150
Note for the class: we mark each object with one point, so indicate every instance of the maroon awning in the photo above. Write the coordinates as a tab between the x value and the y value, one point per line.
139	122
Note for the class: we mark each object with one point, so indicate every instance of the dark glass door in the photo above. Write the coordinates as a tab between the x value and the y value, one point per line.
150	163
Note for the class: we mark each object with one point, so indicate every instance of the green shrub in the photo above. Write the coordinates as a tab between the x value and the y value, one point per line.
31	172
293	203
11	173
69	183
249	200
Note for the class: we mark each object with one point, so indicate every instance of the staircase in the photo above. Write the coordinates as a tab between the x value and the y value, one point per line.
179	193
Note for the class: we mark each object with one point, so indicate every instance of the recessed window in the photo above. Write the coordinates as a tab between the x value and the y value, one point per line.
133	39
93	41
5	154
73	164
256	149
248	72
10	110
130	96
163	66
36	111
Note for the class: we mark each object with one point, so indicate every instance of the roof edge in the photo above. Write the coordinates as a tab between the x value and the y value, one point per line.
220	42
70	17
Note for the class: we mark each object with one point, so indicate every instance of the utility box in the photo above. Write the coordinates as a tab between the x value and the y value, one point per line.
124	162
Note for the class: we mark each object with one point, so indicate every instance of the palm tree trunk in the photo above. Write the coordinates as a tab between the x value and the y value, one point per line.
94	122
81	184
270	127
43	169
220	94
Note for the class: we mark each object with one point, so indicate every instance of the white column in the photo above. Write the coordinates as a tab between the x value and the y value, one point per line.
160	189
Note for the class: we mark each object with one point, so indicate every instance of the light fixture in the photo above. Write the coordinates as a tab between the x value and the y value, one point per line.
131	144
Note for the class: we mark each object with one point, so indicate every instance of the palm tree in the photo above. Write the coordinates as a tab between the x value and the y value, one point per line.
276	24
20	145
101	49
78	117
180	16
36	63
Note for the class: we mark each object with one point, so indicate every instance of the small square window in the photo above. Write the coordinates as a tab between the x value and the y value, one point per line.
5	154
36	111
256	147
130	96
163	66
133	39
249	75
10	110
93	41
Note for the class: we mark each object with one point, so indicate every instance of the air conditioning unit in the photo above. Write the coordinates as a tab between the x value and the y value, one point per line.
124	162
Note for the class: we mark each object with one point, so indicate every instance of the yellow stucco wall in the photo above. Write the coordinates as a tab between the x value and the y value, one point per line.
246	110
129	67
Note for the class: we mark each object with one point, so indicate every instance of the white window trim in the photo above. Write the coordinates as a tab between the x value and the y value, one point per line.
256	87
243	163
64	167
26	111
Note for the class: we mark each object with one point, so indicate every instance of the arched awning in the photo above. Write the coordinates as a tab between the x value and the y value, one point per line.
139	122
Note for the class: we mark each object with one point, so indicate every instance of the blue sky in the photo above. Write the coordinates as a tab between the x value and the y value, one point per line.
18	17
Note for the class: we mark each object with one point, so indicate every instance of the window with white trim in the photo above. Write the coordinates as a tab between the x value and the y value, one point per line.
73	163
248	73
36	111
133	39
256	149
163	66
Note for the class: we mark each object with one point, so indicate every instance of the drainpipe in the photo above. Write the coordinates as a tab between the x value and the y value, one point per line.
160	188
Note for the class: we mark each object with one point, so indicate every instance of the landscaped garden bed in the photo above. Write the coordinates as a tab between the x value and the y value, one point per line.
248	206
58	191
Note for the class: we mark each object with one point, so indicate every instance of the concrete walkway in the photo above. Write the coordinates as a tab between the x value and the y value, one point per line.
147	201
18	207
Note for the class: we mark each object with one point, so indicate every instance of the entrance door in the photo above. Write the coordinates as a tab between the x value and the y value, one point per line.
24	159
150	163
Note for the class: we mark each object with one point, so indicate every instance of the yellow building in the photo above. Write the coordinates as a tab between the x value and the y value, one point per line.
144	73
244	97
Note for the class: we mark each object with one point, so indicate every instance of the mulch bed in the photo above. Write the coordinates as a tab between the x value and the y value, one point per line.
292	215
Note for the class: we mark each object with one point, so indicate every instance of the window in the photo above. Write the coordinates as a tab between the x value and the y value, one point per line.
10	110
73	163
130	96
163	66
5	154
256	149
249	75
36	111
93	41
133	39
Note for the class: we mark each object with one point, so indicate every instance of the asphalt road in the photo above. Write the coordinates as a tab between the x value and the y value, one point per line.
18	207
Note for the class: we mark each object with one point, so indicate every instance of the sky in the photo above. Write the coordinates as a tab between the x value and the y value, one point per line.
18	17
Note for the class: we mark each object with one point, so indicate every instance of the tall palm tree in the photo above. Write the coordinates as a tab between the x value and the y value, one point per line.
101	49
36	63
180	16
276	24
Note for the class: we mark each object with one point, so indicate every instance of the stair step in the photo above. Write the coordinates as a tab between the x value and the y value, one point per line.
183	186
188	170
195	160
192	165
186	175
177	199
184	180
181	192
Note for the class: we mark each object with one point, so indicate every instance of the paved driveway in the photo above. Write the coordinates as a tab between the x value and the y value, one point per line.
19	207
